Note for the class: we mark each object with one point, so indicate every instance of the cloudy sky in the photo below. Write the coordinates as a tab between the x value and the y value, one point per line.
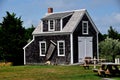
104	13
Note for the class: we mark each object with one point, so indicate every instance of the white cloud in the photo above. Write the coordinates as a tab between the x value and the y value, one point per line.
28	23
106	21
117	17
112	19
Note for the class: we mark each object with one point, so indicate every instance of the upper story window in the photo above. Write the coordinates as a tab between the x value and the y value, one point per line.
61	48
57	25
51	25
45	25
42	46
85	27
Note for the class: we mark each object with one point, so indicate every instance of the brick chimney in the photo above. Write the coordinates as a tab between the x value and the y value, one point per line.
50	10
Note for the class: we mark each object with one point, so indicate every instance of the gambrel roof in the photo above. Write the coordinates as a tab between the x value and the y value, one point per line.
71	25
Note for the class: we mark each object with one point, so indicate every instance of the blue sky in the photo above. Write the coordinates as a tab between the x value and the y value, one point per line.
104	13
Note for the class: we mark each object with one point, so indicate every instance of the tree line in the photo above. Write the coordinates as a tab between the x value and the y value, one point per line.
109	45
13	37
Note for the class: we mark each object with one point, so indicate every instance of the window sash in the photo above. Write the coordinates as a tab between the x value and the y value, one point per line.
61	48
57	24
42	48
85	27
51	25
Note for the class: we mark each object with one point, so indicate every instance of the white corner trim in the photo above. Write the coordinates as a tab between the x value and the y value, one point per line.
41	24
71	47
25	48
61	24
97	47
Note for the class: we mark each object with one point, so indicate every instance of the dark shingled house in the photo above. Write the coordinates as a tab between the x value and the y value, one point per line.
63	38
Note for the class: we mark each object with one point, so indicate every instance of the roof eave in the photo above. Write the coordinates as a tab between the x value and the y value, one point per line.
51	33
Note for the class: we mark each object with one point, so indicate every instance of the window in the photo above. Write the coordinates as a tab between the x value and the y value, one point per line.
61	48
85	27
45	25
42	48
51	25
57	24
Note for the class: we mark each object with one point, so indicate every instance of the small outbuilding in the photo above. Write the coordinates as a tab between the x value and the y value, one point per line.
63	38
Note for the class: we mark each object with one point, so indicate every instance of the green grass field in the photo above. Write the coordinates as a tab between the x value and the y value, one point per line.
47	73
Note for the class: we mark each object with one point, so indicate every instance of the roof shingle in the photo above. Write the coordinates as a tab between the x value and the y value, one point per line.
69	27
57	15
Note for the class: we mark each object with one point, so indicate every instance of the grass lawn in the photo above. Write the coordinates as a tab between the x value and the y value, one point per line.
47	73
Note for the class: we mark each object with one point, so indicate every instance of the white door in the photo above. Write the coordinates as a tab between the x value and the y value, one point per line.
85	48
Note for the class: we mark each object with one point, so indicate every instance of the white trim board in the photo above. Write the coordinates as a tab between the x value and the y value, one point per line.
25	47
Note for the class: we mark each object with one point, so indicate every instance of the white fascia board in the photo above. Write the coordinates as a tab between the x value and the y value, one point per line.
52	33
93	24
24	50
29	43
78	21
67	15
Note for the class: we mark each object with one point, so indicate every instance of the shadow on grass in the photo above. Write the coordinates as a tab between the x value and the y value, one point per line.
109	77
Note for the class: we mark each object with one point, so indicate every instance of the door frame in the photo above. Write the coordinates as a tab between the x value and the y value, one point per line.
86	41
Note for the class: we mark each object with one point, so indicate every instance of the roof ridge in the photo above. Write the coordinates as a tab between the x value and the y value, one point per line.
66	11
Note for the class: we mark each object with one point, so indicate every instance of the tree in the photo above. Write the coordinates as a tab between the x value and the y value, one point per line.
12	38
112	33
102	37
28	33
109	48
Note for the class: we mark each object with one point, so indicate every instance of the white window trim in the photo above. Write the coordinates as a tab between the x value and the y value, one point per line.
40	47
53	25
63	47
83	27
41	24
61	24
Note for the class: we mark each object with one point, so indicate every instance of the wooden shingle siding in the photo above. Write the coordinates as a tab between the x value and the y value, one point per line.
65	20
78	32
33	50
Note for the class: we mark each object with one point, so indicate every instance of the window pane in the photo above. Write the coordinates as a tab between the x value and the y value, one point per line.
45	25
42	48
85	27
61	48
61	51
51	24
57	24
60	45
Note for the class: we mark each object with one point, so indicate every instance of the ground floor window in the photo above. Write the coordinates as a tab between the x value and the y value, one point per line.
61	48
42	45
